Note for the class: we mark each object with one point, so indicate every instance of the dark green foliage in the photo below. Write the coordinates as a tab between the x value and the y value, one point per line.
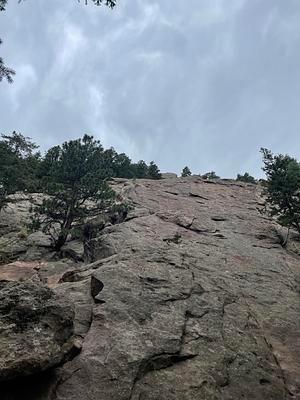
5	72
122	166
20	145
186	172
246	178
18	165
140	169
75	178
282	187
153	171
210	175
109	3
2	5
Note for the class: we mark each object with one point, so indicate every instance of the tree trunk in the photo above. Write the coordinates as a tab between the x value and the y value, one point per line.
65	230
61	240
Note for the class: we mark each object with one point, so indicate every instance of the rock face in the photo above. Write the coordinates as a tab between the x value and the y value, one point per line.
36	329
192	297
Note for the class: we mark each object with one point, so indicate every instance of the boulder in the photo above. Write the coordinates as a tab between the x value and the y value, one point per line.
36	329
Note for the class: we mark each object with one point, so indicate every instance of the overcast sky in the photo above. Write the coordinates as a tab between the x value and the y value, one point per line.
203	83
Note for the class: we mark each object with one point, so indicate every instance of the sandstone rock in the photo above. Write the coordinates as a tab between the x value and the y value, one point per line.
73	249
191	298
39	239
36	329
168	175
19	271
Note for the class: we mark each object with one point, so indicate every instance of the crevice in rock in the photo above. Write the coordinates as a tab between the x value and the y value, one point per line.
158	362
63	379
173	193
191	194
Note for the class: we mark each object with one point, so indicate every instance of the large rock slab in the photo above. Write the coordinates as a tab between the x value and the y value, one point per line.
36	329
191	298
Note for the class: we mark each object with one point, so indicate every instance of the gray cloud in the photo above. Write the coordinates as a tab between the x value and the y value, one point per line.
205	85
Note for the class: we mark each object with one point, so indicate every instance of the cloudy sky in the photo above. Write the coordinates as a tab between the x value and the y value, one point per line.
203	83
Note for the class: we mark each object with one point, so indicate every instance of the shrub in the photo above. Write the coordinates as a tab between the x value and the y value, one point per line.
186	172
246	178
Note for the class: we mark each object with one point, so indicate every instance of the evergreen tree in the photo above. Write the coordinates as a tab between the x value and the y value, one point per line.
153	171
140	170
282	187
210	175
186	172
75	179
18	165
122	166
5	72
246	178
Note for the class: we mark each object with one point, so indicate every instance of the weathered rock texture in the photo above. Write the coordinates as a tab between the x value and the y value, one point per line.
36	329
191	298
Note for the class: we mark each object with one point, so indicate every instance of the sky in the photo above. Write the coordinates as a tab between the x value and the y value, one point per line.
203	83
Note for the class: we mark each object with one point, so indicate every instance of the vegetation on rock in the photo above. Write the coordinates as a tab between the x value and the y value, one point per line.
210	175
18	164
247	178
153	171
74	176
186	172
282	188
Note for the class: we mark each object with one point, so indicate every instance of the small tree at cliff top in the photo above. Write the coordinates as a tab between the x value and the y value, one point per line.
282	187
153	171
186	172
140	169
18	164
247	178
210	175
75	178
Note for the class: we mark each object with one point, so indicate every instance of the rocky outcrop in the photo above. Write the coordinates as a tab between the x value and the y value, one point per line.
191	297
36	329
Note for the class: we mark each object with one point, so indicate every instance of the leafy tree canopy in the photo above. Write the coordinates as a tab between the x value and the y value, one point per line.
282	187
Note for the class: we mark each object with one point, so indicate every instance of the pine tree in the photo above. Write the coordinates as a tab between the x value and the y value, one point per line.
140	170
18	165
153	171
282	187
245	178
75	180
186	172
210	175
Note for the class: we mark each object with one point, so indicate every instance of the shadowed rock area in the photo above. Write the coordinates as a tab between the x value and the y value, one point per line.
191	297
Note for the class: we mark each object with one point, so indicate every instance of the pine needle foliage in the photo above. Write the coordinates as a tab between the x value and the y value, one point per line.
282	188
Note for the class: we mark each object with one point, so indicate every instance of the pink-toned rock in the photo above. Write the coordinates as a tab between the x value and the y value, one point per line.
19	271
192	297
